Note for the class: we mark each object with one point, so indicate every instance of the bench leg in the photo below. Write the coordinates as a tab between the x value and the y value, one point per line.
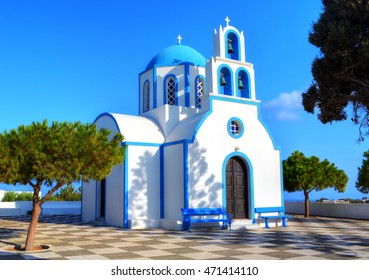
284	222
266	222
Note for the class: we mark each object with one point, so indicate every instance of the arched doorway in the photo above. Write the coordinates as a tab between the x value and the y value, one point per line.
237	188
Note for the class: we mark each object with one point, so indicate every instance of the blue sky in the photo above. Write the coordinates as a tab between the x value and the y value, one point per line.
70	60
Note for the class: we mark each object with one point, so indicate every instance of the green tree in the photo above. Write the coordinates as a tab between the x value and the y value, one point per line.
362	183
341	71
54	156
307	174
68	193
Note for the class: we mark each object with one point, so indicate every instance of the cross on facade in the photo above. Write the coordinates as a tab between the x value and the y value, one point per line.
227	20
179	39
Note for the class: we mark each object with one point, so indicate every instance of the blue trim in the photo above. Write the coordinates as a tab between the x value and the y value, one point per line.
125	190
187	85
229	79
155	88
236	47
246	82
185	175
281	175
241	128
162	206
165	88
249	185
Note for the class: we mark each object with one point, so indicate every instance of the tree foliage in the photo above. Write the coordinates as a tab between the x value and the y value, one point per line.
57	155
341	71
301	173
362	183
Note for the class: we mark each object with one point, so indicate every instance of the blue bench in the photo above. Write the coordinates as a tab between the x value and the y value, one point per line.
205	215
267	213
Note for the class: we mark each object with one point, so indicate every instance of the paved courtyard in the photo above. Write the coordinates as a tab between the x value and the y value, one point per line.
70	239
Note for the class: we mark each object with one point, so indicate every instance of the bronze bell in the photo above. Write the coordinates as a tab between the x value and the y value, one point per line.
240	84
223	81
230	48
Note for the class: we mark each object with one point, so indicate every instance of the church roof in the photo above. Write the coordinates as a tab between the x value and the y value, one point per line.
133	128
177	55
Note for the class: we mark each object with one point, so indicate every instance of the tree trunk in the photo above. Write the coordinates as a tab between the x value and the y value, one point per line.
307	210
32	227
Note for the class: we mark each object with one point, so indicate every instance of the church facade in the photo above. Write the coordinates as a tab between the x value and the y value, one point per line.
198	141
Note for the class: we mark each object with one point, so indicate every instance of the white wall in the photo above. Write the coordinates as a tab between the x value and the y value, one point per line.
215	144
89	201
173	182
17	208
143	182
353	210
114	208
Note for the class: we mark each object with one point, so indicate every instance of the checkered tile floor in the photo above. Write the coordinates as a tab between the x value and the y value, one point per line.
70	239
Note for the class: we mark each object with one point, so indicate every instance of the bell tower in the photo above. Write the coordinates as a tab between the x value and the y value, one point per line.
227	72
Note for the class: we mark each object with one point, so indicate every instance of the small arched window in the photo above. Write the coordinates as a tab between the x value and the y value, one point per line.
146	96
171	89
199	91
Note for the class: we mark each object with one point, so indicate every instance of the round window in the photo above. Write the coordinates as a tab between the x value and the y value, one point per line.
235	127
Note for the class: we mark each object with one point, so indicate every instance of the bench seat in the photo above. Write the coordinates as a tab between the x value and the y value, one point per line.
205	215
267	213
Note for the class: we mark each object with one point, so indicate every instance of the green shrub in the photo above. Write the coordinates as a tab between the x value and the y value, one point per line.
14	196
24	196
9	197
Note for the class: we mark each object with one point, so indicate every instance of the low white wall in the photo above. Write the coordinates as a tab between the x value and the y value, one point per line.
353	210
18	208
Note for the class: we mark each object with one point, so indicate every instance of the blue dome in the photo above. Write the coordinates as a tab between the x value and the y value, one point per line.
177	55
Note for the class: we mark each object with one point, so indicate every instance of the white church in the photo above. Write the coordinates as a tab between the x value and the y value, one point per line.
198	141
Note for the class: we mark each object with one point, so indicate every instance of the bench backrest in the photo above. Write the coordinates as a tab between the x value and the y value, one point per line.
202	211
269	209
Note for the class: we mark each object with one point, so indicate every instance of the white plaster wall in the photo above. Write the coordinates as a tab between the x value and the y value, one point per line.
162	72
167	116
255	143
143	182
336	210
173	182
88	201
114	196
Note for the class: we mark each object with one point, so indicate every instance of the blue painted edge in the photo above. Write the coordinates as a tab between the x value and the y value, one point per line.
162	206
185	174
241	128
125	189
155	93
187	85
250	183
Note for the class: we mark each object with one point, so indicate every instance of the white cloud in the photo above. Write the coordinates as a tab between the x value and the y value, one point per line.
285	107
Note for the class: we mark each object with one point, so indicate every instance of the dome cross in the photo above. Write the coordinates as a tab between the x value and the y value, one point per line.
179	39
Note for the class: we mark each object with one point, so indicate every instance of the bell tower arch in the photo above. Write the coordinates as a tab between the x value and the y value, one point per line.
227	72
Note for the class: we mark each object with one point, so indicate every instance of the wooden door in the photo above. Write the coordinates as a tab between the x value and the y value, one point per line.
236	178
